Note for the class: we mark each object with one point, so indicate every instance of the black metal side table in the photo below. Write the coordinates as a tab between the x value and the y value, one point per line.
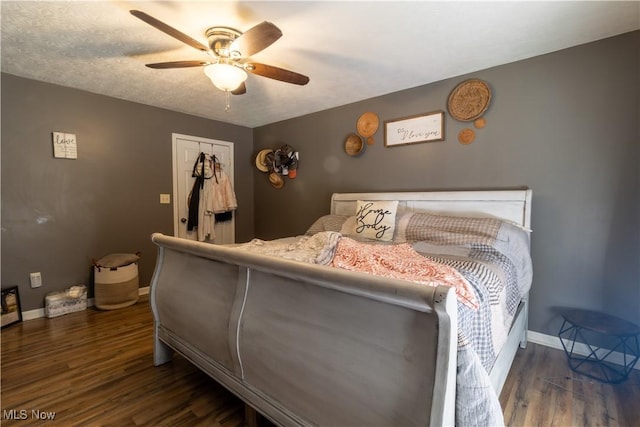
604	337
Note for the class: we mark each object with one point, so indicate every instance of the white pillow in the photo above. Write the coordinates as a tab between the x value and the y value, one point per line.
376	220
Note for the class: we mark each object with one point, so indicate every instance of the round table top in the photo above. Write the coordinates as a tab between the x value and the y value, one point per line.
600	322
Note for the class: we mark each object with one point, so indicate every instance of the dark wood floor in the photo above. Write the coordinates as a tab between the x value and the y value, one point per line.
95	368
541	390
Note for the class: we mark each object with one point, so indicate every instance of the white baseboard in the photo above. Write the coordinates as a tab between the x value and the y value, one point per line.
580	349
39	312
34	314
544	339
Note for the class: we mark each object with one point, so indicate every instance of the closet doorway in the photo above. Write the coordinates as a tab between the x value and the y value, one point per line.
185	150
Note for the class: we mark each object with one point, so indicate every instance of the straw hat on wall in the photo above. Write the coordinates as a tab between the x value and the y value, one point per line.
261	160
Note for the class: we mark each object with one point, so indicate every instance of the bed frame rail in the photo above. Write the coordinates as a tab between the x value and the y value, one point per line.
307	344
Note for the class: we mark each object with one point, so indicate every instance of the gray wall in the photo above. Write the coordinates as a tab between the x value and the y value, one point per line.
58	214
565	124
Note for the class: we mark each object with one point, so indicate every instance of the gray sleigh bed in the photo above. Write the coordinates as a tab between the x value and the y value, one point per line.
309	344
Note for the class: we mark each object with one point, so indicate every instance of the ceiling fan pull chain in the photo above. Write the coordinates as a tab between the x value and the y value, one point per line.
227	106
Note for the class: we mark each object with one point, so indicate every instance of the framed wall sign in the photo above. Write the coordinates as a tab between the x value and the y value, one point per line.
427	127
65	145
11	310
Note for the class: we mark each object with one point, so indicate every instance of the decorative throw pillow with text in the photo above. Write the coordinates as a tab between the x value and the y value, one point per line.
376	220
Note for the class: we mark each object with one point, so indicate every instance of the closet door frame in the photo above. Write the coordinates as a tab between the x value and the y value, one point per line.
178	154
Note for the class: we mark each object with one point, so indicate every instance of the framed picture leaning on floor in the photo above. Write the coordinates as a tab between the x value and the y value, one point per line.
11	310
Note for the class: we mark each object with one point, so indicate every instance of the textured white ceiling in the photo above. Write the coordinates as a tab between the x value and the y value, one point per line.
350	50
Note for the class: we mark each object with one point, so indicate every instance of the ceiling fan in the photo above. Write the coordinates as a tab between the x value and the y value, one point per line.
229	51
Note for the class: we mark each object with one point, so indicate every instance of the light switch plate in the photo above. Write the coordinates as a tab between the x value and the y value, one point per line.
36	279
165	199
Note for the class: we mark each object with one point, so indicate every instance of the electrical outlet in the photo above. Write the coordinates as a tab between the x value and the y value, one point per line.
36	280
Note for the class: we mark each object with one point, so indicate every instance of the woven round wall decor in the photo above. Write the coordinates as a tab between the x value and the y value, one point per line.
367	126
466	136
353	145
469	100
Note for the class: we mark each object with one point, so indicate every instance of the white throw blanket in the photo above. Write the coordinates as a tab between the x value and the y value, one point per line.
316	249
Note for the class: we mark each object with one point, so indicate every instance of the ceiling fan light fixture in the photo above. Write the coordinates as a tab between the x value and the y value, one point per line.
225	77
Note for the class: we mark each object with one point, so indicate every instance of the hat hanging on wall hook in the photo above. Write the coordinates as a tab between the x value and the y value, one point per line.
275	179
286	161
282	161
262	160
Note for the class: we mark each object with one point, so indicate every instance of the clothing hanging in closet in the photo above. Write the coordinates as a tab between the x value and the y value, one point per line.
212	198
224	198
193	201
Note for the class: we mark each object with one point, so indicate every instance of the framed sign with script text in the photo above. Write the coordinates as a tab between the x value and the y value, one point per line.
65	145
408	130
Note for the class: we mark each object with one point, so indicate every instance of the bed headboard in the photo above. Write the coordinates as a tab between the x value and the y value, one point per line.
510	205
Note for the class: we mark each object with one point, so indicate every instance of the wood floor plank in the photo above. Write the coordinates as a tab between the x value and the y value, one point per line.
95	368
542	390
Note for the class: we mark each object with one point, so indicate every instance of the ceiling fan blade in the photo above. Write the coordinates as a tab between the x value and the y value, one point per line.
178	64
276	73
242	89
256	39
169	30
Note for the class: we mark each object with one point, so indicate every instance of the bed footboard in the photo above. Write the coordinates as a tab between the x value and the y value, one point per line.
307	344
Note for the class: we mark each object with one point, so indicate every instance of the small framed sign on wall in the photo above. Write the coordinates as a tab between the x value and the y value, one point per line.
65	145
409	130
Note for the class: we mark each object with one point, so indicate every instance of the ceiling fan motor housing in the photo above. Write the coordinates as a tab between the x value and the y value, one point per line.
220	39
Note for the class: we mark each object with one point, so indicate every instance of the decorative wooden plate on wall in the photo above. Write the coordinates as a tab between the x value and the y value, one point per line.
466	136
367	126
469	100
480	123
353	145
